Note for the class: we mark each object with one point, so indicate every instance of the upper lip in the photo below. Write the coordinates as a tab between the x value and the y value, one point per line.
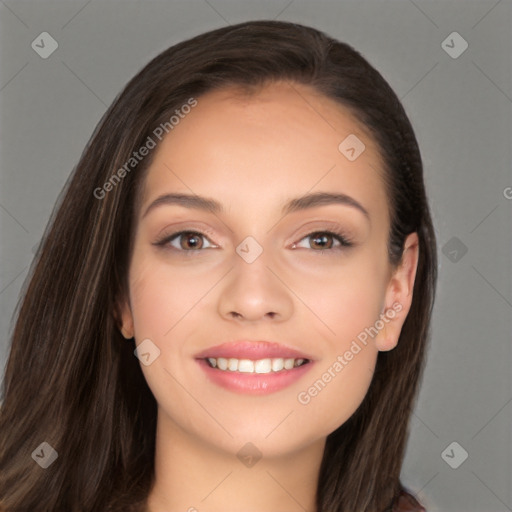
246	349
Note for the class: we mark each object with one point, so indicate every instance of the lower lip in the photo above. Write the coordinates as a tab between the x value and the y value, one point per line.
254	383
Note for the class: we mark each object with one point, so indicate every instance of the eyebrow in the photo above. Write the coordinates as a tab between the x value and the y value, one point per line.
297	204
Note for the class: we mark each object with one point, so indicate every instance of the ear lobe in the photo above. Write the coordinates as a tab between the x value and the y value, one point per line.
399	296
124	318
387	338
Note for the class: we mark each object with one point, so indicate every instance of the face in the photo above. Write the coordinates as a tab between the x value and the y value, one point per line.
255	279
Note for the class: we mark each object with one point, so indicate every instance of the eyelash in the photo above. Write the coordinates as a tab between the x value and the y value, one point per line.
344	241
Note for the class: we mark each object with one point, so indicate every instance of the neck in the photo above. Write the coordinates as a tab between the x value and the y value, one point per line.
194	476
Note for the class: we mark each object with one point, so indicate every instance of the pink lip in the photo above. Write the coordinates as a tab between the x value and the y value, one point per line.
254	350
253	383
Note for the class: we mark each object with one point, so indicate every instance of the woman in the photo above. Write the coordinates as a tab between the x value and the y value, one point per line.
250	221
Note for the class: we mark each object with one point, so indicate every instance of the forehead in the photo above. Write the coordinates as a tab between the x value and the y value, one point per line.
281	140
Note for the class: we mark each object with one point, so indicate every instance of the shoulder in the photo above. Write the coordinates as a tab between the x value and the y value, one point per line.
406	502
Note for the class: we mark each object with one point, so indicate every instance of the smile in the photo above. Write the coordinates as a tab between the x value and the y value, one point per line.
260	366
254	377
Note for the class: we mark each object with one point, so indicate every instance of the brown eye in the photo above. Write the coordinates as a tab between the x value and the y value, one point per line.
191	241
321	240
185	241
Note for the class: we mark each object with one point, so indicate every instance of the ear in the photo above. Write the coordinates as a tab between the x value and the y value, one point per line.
124	318
399	294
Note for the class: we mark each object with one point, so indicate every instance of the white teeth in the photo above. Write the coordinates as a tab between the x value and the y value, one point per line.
263	366
288	364
221	363
277	365
259	366
245	366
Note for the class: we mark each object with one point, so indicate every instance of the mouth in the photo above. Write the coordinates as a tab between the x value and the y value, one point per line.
259	366
253	367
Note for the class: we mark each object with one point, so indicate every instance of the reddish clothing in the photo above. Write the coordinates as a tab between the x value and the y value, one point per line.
407	503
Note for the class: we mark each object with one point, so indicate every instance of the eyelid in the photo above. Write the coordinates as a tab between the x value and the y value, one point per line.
179	227
345	241
324	226
166	237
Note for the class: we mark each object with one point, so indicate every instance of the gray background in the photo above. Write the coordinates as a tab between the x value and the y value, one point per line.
460	109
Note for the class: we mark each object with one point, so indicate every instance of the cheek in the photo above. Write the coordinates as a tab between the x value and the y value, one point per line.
163	302
155	308
335	391
348	300
161	297
347	297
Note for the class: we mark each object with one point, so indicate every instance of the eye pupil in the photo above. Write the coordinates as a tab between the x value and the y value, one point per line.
321	239
188	238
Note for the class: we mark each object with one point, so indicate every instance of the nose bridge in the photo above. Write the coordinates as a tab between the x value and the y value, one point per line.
251	263
252	290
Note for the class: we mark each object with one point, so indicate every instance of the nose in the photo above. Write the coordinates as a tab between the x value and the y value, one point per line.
255	291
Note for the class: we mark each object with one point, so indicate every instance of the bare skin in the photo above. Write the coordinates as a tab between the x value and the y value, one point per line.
253	155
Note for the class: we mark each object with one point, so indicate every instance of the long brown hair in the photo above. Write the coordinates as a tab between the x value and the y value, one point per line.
72	380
